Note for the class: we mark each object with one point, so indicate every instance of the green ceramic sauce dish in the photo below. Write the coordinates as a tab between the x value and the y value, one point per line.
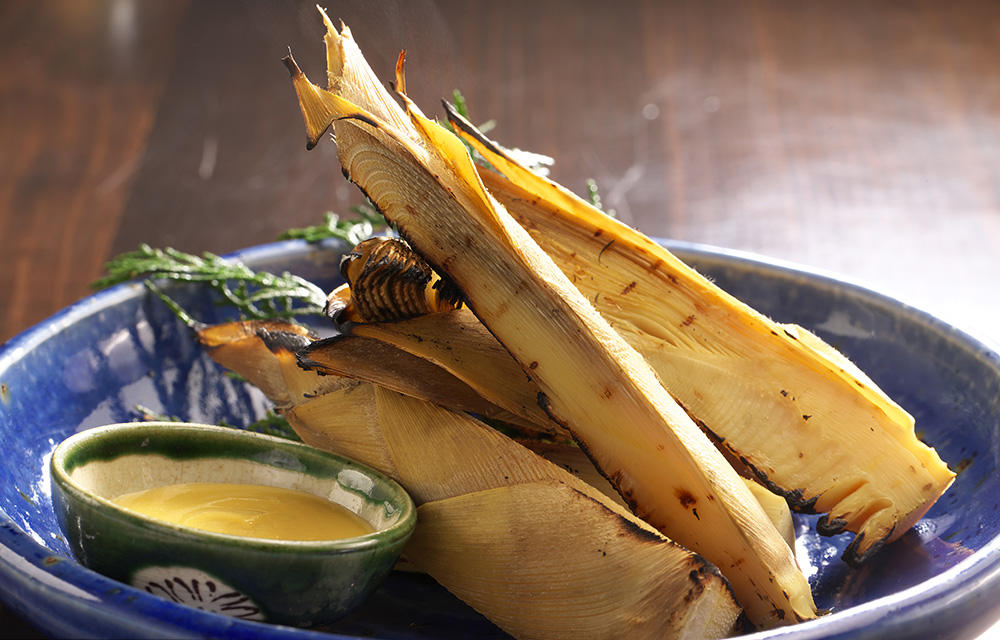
298	583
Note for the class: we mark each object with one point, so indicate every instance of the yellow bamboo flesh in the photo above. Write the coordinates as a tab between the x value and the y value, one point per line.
776	509
591	380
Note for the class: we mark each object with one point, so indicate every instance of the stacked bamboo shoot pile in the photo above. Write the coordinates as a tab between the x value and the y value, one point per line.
579	328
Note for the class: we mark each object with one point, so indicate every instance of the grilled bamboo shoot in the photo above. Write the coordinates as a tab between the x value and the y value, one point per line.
590	380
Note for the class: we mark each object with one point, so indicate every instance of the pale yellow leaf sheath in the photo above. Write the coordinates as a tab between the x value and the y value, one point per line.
537	551
381	363
590	379
457	342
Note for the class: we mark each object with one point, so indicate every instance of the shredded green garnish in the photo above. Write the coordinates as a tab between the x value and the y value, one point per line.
257	295
350	231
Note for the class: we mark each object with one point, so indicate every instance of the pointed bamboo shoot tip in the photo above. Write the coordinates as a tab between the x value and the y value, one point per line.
462	124
330	29
290	64
400	77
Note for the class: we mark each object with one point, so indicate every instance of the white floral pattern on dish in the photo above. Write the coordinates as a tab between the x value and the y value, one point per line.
195	588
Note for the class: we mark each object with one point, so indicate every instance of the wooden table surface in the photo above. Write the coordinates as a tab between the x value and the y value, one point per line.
857	137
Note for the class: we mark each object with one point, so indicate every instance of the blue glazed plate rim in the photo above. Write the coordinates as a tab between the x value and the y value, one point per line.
36	579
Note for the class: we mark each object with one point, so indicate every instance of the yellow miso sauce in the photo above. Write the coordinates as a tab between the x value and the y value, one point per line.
254	511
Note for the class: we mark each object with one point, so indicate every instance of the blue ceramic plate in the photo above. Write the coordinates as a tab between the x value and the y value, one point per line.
94	362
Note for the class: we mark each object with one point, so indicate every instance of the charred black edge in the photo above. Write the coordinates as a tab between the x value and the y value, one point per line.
354	254
277	341
601	253
362	118
794	497
308	364
291	65
446	284
639	533
333	311
295	72
705	570
743	625
413	270
827	526
701	569
273	340
856	559
459	122
545	405
448	290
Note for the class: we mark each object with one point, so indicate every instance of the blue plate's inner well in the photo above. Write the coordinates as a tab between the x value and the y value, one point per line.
99	360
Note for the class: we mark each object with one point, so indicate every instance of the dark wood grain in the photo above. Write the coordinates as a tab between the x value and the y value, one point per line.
80	87
858	137
862	138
